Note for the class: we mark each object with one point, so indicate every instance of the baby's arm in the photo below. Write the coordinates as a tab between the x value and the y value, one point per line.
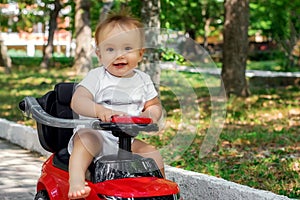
83	104
152	109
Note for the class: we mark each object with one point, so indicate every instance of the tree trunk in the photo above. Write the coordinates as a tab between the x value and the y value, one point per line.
207	31
235	47
4	58
107	5
150	16
207	21
289	43
49	48
83	36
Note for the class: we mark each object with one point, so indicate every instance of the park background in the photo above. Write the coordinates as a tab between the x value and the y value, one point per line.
44	42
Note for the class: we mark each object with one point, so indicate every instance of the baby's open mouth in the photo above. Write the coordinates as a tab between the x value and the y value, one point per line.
119	64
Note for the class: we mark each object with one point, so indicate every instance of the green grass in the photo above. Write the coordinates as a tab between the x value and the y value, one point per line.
259	145
269	65
266	65
27	81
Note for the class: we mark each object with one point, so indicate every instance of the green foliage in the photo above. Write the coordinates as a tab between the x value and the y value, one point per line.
271	17
266	55
19	59
260	21
171	56
135	6
95	10
26	61
29	17
189	15
274	17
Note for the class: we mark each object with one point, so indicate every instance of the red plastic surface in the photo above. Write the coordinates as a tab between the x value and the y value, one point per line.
131	120
136	187
55	181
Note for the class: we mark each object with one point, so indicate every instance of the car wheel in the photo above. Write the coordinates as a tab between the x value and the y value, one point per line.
41	195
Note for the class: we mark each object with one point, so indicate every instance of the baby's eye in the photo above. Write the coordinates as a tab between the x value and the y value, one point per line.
109	49
128	48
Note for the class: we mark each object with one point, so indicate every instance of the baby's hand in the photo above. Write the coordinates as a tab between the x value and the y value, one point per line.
148	115
106	114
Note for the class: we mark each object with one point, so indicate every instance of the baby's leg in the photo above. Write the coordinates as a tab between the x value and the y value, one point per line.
86	145
148	151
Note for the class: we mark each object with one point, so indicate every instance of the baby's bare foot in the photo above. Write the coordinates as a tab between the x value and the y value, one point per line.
78	190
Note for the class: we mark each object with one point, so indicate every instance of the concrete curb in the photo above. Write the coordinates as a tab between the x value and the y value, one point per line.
194	186
201	186
21	135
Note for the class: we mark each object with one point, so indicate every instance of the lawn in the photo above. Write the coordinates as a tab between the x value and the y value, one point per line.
258	146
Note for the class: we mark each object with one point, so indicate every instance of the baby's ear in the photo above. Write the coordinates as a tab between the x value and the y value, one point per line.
142	51
98	55
97	51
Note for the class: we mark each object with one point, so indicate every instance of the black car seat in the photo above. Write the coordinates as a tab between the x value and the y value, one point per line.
53	139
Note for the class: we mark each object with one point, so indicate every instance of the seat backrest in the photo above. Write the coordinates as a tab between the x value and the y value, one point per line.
57	104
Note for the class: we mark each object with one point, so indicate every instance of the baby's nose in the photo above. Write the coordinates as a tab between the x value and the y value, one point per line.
121	53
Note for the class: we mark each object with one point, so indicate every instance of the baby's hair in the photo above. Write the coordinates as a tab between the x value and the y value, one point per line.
123	19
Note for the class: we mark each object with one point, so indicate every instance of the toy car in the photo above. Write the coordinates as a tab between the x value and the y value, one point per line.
124	176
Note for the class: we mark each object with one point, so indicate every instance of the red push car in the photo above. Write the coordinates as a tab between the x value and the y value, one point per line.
124	176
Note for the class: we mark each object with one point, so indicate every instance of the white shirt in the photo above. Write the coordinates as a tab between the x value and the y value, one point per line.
128	95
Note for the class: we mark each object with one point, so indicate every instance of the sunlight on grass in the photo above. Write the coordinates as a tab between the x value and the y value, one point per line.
259	145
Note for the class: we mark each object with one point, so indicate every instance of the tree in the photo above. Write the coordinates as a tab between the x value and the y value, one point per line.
210	18
235	47
83	35
107	5
48	49
4	58
285	27
196	17
279	20
150	17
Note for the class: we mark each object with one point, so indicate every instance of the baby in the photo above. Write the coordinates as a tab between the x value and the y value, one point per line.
115	88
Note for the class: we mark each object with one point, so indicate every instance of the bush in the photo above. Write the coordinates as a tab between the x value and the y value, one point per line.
60	62
26	61
171	56
266	55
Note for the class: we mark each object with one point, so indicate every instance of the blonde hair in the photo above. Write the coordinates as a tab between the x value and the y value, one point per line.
122	19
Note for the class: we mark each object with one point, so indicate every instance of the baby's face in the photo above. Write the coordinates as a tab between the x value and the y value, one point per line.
120	51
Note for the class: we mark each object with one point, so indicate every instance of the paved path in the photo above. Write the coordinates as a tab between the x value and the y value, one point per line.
19	172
